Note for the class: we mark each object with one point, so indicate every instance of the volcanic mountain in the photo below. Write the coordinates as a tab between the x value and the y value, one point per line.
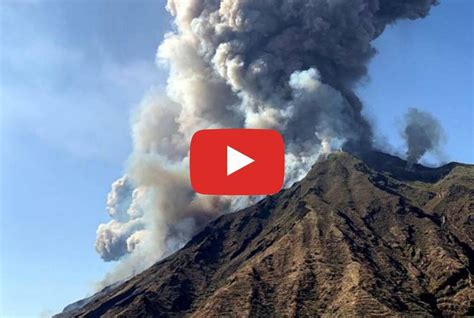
359	235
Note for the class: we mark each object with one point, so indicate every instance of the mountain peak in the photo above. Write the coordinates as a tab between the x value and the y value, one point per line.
359	235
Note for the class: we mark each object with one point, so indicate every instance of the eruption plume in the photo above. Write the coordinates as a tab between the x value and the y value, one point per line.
281	64
422	134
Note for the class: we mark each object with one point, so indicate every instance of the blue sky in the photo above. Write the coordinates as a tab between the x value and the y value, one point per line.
426	64
72	72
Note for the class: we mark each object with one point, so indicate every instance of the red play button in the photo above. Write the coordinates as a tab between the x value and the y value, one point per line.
237	161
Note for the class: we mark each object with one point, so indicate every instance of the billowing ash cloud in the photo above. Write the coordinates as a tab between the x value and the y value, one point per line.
422	133
287	65
122	233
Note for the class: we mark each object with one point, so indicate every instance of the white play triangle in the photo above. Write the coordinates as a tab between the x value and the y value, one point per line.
236	160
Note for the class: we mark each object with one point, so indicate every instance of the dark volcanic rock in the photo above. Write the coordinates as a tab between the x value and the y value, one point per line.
364	238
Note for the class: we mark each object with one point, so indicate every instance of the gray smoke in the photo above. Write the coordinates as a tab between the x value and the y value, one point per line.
422	133
289	65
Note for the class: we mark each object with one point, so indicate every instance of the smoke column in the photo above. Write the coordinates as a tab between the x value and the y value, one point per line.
422	134
289	65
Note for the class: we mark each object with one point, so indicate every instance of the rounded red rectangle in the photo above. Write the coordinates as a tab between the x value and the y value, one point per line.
237	161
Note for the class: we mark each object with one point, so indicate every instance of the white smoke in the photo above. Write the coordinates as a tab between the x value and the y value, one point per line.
286	65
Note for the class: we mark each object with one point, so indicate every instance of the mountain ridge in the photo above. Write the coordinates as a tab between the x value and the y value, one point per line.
359	235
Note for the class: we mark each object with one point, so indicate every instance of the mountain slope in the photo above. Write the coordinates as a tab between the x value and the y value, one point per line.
355	237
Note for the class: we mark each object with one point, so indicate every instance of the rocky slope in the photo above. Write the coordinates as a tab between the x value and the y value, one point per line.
358	236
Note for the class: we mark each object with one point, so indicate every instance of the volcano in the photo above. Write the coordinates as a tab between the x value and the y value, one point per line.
359	235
